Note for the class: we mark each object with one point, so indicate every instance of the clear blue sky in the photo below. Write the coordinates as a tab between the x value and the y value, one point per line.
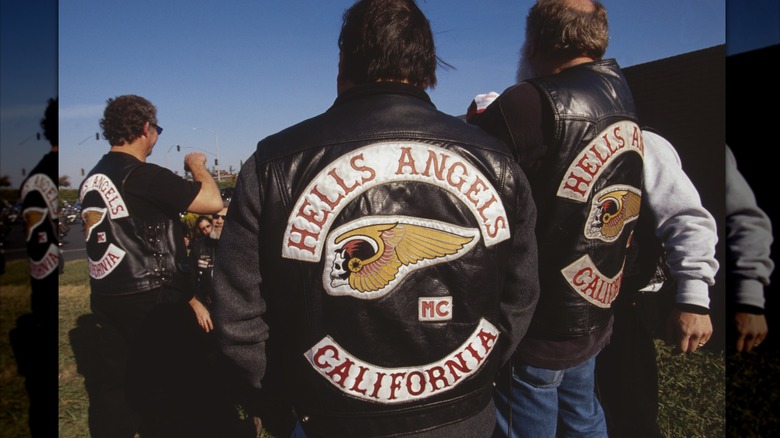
242	70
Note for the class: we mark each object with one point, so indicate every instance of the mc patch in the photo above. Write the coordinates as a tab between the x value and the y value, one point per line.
434	309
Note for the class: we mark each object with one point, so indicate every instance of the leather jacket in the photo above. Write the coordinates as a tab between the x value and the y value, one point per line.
396	261
125	253
588	198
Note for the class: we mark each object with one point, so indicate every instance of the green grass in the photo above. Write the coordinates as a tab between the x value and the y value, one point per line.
14	301
74	302
753	396
692	391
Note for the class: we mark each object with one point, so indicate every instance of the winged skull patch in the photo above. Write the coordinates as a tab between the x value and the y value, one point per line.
612	209
33	217
92	217
368	257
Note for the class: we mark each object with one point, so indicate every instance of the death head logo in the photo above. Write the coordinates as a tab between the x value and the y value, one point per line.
33	217
612	209
366	258
92	217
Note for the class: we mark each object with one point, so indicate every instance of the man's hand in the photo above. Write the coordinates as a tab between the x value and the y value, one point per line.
209	198
688	331
194	160
202	314
751	330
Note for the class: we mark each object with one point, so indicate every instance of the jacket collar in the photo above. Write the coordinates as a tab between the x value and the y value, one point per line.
380	88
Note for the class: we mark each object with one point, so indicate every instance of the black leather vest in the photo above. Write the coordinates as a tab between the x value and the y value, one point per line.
588	195
126	254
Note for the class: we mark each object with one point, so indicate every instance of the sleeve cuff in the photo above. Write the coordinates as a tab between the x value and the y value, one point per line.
744	308
694	293
748	292
690	308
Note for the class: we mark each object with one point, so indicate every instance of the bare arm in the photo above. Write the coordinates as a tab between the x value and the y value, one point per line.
209	200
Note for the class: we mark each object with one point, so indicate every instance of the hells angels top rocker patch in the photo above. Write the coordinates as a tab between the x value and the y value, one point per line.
362	169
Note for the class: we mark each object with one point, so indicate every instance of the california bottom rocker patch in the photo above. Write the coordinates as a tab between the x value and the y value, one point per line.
373	383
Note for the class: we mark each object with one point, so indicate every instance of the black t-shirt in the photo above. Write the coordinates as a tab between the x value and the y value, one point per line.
152	191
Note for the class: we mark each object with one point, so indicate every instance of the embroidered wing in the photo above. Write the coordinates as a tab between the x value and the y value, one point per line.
619	207
397	245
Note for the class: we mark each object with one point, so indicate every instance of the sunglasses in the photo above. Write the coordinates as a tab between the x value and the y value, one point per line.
218	216
157	127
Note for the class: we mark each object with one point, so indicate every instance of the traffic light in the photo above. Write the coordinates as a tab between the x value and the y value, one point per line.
216	162
178	148
97	136
82	171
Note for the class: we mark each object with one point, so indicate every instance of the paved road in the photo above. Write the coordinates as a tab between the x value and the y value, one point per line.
73	246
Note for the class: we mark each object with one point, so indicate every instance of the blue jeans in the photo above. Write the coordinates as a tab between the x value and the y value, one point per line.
550	403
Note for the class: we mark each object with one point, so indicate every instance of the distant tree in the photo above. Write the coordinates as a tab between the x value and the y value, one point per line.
64	181
5	181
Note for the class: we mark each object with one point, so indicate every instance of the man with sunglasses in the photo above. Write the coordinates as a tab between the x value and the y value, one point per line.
135	246
202	260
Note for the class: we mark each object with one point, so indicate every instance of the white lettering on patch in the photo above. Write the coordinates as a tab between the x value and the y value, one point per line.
373	383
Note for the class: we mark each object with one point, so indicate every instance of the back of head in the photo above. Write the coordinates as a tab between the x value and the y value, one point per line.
567	29
50	122
124	118
387	40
